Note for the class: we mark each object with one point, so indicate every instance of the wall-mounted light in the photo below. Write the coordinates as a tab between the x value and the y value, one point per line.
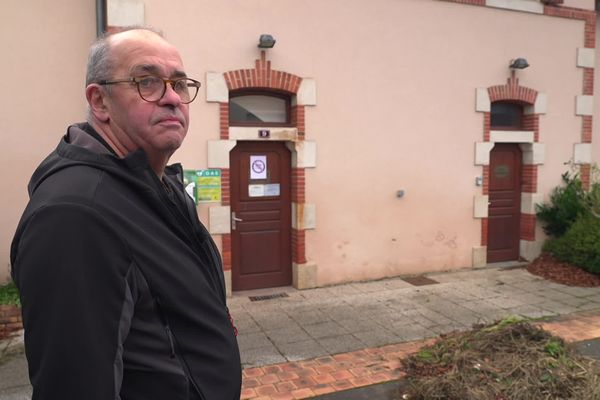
518	63
266	41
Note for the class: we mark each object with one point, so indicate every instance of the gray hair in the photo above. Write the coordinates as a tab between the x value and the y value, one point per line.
100	65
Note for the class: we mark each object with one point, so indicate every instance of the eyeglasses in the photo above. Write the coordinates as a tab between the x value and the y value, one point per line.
152	88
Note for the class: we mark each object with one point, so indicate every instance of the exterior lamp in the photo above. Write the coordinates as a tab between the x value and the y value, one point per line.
266	41
519	63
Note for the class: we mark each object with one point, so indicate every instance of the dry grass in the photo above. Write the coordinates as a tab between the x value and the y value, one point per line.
509	360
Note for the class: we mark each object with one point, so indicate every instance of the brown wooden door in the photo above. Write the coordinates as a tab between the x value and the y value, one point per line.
261	215
505	203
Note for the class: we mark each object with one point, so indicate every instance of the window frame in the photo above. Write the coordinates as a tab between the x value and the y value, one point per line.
268	93
521	116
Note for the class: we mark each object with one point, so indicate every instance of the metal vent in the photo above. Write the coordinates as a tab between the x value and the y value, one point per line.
420	281
268	297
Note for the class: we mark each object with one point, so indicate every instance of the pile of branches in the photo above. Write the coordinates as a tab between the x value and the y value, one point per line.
508	360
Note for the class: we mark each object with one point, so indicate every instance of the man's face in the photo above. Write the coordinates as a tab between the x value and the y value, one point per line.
157	127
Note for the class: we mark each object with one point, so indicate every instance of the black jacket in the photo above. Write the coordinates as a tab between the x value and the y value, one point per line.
122	288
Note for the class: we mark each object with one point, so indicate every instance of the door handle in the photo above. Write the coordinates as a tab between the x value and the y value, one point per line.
234	219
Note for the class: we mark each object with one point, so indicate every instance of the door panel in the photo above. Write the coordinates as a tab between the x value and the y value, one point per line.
504	213
261	229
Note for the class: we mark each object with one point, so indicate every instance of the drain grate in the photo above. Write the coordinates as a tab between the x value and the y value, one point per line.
420	281
268	297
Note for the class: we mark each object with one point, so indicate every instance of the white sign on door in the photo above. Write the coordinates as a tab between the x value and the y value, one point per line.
258	167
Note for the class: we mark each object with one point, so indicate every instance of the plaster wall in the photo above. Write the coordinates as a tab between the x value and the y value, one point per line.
583	4
44	44
395	110
396	84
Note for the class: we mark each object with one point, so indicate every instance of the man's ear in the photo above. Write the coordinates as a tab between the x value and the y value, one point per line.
96	97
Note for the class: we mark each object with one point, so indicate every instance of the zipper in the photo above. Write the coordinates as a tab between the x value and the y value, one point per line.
186	225
172	343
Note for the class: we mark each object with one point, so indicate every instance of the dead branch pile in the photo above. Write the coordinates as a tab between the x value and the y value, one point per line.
508	360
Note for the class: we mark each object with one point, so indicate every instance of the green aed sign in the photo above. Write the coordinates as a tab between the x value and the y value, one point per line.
203	185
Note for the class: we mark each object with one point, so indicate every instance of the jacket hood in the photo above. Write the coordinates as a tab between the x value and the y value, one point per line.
80	146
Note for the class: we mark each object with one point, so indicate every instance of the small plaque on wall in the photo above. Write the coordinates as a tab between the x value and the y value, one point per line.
264	133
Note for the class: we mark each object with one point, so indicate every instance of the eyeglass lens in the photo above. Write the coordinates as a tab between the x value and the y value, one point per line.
153	88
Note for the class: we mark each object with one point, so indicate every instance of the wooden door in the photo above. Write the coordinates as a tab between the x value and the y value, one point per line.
504	212
261	215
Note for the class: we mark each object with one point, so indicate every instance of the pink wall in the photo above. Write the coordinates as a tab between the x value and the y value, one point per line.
396	88
43	78
396	84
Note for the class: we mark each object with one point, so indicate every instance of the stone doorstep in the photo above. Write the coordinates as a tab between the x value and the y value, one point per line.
340	372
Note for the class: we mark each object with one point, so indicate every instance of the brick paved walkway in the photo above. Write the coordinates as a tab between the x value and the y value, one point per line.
305	379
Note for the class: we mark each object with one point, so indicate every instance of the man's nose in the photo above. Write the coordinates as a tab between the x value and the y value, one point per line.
170	97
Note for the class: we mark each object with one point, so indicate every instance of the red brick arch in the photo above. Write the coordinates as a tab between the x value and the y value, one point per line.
262	77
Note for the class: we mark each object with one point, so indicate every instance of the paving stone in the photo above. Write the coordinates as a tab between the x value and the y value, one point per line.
376	338
308	317
588	306
324	329
274	320
506	302
246	325
575	301
487	312
302	350
370	287
253	340
557	307
341	344
531	312
261	356
579	291
454	312
408	331
556	295
287	335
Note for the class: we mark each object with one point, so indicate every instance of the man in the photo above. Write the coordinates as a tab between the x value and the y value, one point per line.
122	288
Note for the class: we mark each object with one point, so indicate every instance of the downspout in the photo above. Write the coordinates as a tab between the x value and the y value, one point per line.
101	17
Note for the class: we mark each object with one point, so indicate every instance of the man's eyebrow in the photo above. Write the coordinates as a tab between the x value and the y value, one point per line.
155	70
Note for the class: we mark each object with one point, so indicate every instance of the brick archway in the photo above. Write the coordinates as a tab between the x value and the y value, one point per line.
528	139
263	77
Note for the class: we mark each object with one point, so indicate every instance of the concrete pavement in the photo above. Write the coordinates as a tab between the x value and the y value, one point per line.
295	344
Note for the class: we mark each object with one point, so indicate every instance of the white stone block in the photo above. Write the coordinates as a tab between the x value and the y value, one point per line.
479	256
481	206
304	216
251	133
307	93
530	250
304	276
482	100
227	276
218	153
304	153
582	153
216	88
511	136
219	220
533	153
532	6
584	105
528	202
585	57
541	103
482	153
125	13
